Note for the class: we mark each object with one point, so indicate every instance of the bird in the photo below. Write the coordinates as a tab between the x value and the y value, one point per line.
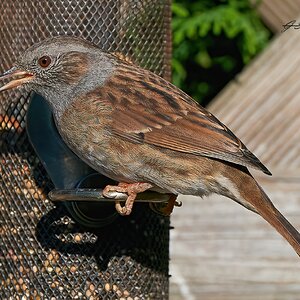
140	130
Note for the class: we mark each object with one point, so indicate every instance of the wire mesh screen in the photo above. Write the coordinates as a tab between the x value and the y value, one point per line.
44	254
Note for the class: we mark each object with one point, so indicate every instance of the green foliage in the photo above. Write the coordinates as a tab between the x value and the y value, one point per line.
212	41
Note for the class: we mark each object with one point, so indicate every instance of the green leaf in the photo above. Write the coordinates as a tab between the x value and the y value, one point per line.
213	39
179	10
203	59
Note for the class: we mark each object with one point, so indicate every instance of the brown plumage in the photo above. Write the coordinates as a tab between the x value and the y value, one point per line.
140	130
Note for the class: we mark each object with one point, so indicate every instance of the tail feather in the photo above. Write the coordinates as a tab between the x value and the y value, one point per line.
270	213
248	193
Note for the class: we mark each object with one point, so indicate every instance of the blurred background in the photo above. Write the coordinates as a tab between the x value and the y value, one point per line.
212	42
235	59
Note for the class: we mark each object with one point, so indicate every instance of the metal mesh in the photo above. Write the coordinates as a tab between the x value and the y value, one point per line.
44	254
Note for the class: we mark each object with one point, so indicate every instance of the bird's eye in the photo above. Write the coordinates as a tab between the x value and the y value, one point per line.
44	61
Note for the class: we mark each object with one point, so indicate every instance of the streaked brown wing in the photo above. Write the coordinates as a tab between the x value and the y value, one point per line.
148	109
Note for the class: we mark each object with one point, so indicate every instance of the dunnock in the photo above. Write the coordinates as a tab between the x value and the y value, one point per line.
140	130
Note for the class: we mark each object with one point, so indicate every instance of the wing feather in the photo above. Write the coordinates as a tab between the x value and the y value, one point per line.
148	109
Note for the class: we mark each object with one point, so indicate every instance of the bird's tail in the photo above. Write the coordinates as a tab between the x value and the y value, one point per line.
255	199
271	214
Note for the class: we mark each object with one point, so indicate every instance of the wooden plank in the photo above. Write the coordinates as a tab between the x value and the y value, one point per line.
220	250
262	106
278	12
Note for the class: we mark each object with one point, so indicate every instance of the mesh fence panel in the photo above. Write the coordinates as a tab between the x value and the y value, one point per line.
44	254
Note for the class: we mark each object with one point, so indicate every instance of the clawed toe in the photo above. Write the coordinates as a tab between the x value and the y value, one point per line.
127	208
132	189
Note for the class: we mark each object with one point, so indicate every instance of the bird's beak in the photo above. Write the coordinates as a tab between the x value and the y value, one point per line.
21	77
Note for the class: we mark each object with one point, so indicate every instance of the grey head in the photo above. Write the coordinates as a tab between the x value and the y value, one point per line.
59	69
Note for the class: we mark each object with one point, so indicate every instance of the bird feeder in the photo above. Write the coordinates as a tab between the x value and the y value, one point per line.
66	244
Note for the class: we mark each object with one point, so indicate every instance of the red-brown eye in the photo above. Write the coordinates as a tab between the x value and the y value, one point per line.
44	61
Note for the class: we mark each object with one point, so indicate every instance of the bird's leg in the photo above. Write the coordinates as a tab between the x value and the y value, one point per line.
131	189
170	206
166	209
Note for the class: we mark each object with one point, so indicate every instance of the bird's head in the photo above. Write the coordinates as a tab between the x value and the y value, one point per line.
58	66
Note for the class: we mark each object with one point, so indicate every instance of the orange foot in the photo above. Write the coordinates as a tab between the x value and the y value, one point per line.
132	189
